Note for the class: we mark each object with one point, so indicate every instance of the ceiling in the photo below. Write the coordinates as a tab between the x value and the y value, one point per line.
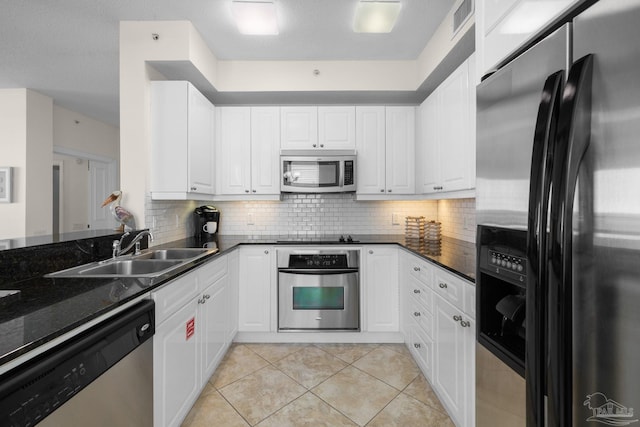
68	49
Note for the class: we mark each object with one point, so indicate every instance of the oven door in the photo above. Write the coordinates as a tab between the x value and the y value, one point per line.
318	300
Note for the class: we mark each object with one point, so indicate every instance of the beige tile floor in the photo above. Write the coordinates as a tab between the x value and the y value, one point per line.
269	385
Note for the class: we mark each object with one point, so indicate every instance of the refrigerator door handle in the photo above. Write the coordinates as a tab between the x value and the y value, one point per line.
574	135
540	182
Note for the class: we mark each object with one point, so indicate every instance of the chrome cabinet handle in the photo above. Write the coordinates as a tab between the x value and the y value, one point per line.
321	145
246	191
389	191
201	300
457	318
382	190
266	252
417	345
207	296
416	314
416	268
371	252
314	145
442	285
465	324
416	291
194	188
253	191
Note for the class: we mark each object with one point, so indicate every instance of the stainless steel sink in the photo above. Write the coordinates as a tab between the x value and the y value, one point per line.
152	263
181	253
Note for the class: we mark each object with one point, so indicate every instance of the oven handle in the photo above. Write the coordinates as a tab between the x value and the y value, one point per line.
317	271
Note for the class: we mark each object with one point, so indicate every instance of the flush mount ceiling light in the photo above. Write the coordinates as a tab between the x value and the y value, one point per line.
376	16
255	17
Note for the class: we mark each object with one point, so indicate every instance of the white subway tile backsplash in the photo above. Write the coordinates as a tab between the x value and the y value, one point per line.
311	215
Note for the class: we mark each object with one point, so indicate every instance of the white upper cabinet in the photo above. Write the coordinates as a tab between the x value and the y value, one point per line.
400	149
182	142
312	128
503	26
234	149
247	147
337	127
371	148
446	147
385	142
299	128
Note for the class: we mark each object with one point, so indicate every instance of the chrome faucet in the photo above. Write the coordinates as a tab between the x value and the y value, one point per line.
117	244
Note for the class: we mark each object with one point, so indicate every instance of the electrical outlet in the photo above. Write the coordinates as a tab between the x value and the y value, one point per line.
250	218
395	218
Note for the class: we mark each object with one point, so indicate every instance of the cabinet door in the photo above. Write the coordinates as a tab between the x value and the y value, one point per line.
234	282
453	104
337	127
201	143
255	289
400	150
265	150
380	287
449	374
176	366
299	128
428	150
370	145
213	314
234	150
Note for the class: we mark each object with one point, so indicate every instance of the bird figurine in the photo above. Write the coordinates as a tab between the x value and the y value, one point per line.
123	216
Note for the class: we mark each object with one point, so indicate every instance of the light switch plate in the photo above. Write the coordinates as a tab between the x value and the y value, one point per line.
250	218
395	218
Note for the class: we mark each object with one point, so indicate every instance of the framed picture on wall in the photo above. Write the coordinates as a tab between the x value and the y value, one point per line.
5	185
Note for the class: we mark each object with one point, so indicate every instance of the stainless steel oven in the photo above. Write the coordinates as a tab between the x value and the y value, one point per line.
318	289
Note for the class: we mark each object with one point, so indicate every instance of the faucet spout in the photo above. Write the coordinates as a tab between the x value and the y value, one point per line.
117	250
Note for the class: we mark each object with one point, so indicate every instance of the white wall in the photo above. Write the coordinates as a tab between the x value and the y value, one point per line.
26	145
78	132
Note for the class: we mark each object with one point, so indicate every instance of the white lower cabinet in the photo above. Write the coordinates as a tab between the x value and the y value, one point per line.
438	311
255	289
379	286
190	340
176	366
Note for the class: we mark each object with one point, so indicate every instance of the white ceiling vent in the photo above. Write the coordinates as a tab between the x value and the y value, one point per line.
461	15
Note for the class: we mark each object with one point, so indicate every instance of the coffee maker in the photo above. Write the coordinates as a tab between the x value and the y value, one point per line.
206	220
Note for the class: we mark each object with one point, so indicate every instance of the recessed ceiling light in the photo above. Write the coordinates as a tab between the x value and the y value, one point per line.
255	17
376	16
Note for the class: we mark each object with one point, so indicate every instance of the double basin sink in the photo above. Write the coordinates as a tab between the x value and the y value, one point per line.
152	263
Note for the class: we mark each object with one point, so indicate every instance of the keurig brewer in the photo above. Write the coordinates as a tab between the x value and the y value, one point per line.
206	221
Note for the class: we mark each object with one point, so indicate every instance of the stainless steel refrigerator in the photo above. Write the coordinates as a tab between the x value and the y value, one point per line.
558	208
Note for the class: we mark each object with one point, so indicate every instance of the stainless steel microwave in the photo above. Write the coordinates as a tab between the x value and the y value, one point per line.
326	171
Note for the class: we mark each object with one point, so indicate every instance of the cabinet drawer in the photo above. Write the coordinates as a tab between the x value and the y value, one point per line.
420	269
175	294
422	317
422	349
211	271
420	292
449	287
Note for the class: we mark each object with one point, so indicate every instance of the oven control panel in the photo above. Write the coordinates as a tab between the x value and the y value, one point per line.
318	261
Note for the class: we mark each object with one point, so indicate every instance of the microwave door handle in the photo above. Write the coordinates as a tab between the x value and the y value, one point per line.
540	182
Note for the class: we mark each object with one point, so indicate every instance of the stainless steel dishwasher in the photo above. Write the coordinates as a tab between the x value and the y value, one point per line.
102	377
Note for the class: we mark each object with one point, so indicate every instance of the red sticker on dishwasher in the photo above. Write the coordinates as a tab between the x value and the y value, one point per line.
191	327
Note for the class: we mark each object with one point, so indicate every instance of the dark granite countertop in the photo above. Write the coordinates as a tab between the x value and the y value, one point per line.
47	308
